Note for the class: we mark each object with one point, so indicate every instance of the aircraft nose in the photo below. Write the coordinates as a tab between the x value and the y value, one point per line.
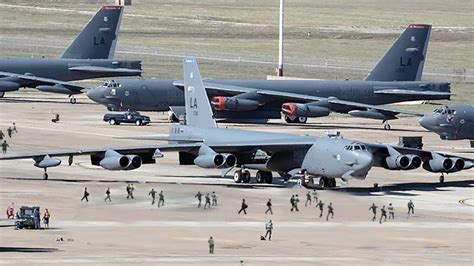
365	160
426	122
95	94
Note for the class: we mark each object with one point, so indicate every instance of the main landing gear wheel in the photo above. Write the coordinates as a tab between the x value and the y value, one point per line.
298	120
264	177
245	176
325	182
72	99
238	176
441	178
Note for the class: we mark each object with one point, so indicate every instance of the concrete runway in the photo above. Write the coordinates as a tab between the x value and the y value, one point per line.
132	231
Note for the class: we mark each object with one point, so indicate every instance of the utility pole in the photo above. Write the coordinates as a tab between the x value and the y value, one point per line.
280	41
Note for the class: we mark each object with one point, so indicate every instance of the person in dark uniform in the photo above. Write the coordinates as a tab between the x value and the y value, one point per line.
9	131
5	147
391	212
161	201
330	211
214	198
36	217
297	200
383	214
269	207
320	205
85	196
107	195
411	207
292	202
243	207
199	197
269	228
152	193
2	135
128	188
373	208
308	199
14	128
208	201
211	245
132	188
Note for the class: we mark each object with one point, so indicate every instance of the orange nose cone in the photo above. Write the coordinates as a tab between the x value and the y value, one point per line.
289	109
218	103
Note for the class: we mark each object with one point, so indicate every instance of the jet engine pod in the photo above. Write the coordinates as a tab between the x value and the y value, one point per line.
214	160
415	161
6	85
444	165
46	162
304	110
54	89
135	162
221	103
115	161
230	160
400	162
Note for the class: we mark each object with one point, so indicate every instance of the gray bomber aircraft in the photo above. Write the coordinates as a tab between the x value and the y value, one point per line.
451	122
200	142
395	78
90	55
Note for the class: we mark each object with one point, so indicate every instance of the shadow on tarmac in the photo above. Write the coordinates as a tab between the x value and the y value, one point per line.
403	189
27	250
23	100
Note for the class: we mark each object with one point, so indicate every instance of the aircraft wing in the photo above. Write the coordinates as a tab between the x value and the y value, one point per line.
97	69
74	88
288	96
411	92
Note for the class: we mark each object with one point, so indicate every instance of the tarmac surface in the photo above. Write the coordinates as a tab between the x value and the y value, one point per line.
133	231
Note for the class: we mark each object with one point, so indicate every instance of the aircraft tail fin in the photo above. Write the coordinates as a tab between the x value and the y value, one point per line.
98	38
405	60
198	108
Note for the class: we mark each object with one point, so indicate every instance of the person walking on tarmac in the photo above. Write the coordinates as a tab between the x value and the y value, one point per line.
297	200
391	212
269	207
373	208
383	214
308	199
411	207
2	135
5	147
243	207
85	195
9	131
211	245
269	228
14	128
214	198
46	217
128	188
161	200
152	193
315	196
199	197
107	195
320	205
208	201
292	202
330	211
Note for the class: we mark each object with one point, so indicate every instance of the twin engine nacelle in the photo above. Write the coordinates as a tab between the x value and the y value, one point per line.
47	161
304	110
221	103
403	162
444	165
116	161
216	160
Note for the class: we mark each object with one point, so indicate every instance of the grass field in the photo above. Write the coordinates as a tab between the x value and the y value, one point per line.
349	33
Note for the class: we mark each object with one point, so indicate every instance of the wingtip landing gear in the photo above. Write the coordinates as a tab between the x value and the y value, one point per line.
45	175
441	178
72	99
2	93
386	125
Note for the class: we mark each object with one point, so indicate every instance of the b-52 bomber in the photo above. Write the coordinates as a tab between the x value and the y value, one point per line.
451	122
395	78
199	141
90	55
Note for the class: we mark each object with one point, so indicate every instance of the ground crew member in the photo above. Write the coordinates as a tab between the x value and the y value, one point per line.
131	191
199	197
36	216
208	201
391	212
374	211
269	228
107	195
14	127
308	199
85	196
9	131
152	193
411	207
211	245
46	217
214	198
297	200
269	207
292	202
320	205
5	147
2	135
315	196
330	211
161	201
243	207
128	191
383	214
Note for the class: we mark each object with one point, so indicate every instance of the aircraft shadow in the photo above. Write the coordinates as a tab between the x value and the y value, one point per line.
22	100
403	189
27	250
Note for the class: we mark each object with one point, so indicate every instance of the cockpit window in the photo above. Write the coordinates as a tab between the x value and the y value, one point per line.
440	110
357	147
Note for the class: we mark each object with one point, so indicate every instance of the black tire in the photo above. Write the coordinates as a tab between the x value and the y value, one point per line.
112	122
301	119
260	176
289	120
246	176
332	182
323	182
45	176
441	179
238	176
2	94
387	127
268	177
138	122
72	100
